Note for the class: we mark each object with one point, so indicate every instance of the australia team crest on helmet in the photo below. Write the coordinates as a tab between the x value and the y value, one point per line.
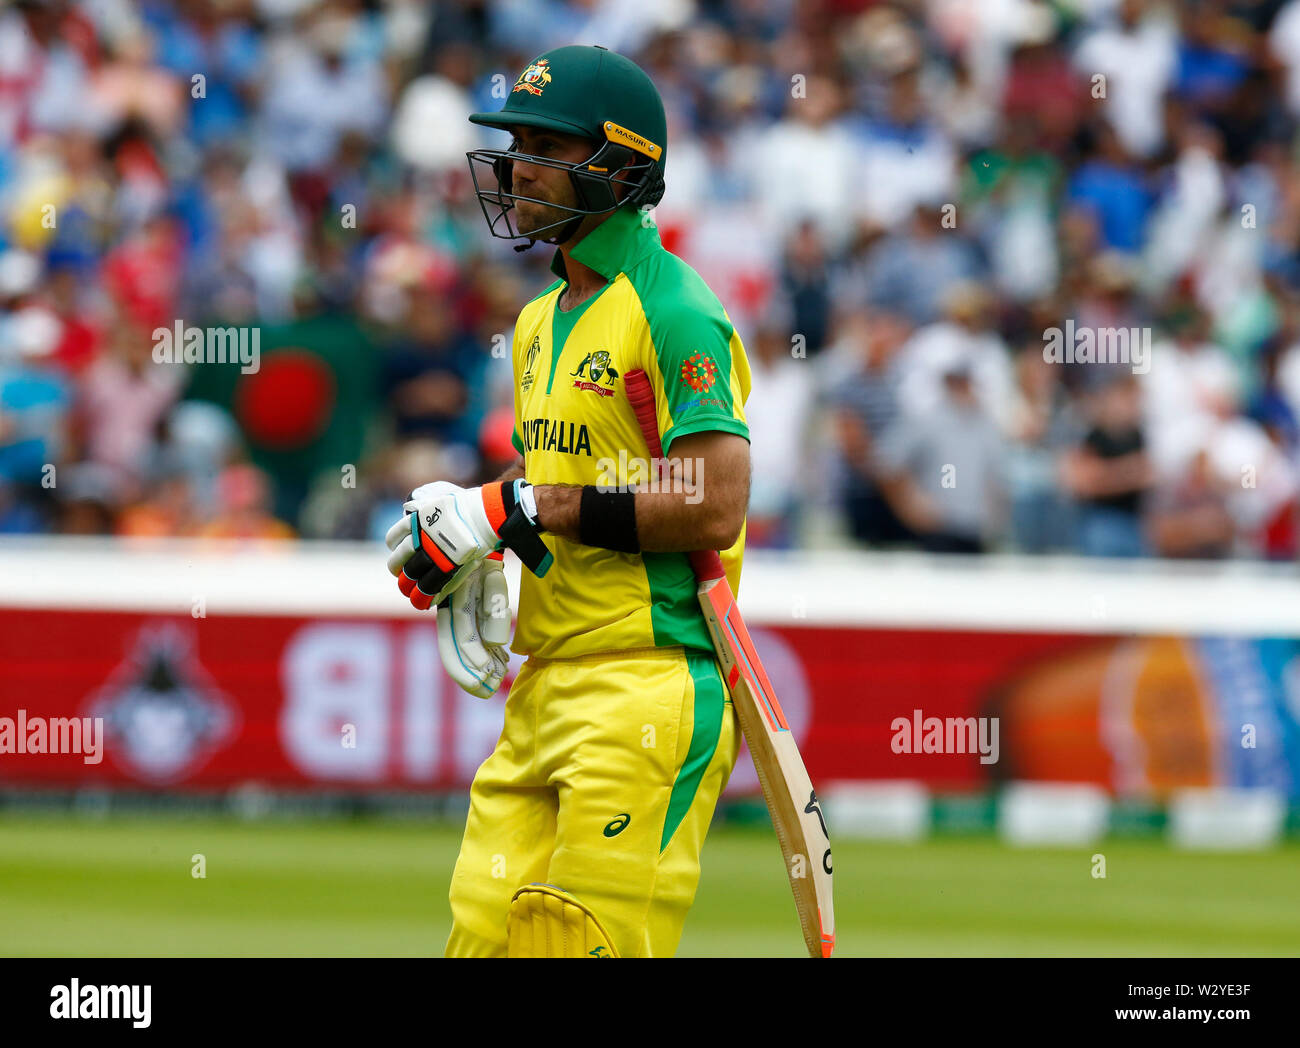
533	79
600	370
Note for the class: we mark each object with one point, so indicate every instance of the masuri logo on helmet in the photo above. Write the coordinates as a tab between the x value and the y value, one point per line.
578	90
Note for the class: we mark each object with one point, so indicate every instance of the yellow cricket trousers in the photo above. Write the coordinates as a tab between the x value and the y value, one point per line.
603	783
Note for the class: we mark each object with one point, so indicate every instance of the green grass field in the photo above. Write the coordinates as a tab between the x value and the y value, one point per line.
122	886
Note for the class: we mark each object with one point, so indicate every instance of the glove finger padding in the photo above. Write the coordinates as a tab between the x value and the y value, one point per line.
429	575
467	524
451	519
399	541
446	542
425	574
435	586
453	529
475	664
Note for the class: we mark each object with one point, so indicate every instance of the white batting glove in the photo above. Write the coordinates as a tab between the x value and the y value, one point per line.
449	529
474	627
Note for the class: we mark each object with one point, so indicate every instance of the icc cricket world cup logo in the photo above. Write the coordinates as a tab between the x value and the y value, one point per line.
530	359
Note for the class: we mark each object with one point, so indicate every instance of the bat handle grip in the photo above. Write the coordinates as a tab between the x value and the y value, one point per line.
706	564
641	395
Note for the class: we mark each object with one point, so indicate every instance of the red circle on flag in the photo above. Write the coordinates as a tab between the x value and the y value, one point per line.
287	403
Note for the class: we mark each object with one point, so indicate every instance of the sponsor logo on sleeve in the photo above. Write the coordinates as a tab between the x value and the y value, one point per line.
699	372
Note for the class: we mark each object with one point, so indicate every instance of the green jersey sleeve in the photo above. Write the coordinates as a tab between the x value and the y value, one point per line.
703	367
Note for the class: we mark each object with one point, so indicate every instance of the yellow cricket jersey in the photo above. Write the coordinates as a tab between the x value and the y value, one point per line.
574	425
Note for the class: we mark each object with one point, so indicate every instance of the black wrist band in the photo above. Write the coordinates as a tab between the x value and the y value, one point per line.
607	519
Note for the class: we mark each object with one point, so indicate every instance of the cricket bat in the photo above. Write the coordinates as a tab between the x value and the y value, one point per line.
791	800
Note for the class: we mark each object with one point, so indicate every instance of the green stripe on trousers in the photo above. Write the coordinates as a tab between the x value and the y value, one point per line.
707	729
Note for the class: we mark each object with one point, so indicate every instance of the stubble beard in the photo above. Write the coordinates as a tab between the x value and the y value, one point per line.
531	215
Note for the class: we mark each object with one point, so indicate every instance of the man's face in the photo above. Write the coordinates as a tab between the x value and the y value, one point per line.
545	183
958	385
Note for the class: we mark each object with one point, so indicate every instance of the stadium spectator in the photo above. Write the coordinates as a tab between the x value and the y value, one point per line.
1284	44
914	269
1137	58
807	166
805	284
124	397
1189	517
1113	189
244	497
942	471
1039	429
1188	205
431	129
88	499
1109	471
34	399
1189	379
863	394
1012	187
906	159
322	85
779	410
963	334
822	163
166	512
429	371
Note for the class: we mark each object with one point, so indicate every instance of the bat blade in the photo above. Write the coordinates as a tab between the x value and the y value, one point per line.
791	801
788	791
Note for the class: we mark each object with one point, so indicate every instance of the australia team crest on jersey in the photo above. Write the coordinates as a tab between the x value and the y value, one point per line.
599	373
533	79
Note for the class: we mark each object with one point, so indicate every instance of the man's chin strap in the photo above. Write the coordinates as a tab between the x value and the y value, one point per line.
561	237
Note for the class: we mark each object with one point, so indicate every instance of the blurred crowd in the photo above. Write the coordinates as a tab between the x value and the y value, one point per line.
896	202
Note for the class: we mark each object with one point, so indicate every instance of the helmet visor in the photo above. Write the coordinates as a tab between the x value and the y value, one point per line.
493	173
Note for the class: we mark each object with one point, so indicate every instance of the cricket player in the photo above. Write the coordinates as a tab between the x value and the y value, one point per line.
586	822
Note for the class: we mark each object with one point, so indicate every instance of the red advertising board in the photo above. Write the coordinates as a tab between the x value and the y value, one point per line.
298	702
